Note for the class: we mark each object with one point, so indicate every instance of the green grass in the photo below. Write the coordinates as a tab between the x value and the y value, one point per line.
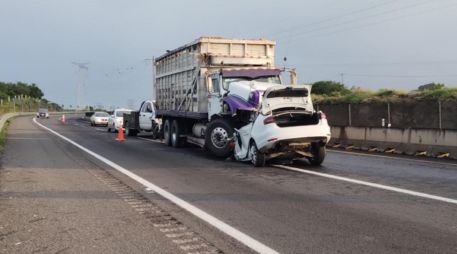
3	134
358	95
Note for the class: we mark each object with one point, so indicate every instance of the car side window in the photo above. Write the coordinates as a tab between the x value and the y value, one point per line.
149	108
143	108
216	88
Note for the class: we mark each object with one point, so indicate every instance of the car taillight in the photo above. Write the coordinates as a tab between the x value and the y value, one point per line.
268	120
322	115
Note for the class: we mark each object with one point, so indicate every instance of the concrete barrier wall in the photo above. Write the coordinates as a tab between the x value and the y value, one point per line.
5	117
408	141
416	114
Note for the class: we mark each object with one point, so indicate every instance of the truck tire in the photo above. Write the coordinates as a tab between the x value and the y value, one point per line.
155	130
217	138
128	131
176	141
257	157
318	151
167	132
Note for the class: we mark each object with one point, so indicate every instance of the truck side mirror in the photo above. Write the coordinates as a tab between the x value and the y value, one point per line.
225	85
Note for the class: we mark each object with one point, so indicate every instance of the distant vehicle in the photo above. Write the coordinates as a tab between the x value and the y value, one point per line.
285	126
143	120
43	113
99	118
116	120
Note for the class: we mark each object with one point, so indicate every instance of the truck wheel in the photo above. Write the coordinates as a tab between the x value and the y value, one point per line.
155	131
217	138
176	141
257	157
318	151
167	132
128	131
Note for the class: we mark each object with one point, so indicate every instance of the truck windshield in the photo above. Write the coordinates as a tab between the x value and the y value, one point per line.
266	79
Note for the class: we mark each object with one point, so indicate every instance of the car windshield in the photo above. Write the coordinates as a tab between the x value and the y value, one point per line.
121	113
43	110
101	114
266	79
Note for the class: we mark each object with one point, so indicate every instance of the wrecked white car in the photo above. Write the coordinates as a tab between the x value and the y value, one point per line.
284	126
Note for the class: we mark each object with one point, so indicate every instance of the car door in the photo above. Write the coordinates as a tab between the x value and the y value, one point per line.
146	116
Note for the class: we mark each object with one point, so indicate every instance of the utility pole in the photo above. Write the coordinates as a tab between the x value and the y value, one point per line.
342	78
81	87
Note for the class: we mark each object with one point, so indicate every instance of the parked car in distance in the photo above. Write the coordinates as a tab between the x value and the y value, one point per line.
43	113
99	118
116	120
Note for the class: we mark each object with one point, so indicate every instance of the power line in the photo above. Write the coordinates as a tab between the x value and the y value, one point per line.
437	62
337	17
376	23
384	13
398	76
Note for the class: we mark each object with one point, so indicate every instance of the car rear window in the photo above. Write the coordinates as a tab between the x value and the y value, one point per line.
288	92
121	113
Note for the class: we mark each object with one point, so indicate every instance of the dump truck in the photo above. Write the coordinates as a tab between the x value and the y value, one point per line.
207	88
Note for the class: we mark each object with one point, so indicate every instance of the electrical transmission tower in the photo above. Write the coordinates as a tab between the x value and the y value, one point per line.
83	71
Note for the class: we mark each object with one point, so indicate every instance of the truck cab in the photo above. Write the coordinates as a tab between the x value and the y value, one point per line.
145	119
230	90
147	115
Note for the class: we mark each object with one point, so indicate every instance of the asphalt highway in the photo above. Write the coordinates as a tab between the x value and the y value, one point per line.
285	210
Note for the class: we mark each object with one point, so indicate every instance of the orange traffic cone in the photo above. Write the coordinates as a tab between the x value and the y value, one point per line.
120	134
63	118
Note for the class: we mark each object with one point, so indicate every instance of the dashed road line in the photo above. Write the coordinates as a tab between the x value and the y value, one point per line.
370	184
208	218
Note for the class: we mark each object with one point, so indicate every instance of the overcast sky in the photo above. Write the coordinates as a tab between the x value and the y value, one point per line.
374	43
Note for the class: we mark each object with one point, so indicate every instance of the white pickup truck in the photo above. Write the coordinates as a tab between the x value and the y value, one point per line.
143	120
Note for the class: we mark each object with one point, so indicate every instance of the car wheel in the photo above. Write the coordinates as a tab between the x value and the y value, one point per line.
318	151
167	132
257	157
218	135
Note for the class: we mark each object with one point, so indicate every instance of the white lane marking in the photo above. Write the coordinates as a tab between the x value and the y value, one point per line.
27	138
374	185
215	222
391	157
151	140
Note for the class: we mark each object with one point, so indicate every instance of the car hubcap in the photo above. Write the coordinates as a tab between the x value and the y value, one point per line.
219	137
